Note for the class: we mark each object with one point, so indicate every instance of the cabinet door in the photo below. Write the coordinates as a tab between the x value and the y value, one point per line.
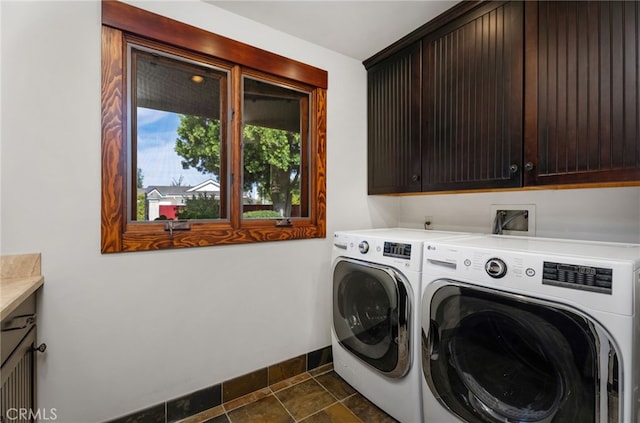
472	90
582	120
17	392
393	116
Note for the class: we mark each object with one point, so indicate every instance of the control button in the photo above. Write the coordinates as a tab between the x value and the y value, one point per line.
363	247
530	272
496	268
467	262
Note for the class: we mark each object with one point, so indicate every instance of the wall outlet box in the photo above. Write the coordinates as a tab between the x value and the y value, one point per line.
516	219
428	222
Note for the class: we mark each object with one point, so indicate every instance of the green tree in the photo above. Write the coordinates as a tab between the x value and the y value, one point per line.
203	206
139	179
272	162
141	211
271	157
142	207
198	144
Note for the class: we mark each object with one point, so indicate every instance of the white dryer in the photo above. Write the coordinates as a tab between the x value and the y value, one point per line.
376	322
530	330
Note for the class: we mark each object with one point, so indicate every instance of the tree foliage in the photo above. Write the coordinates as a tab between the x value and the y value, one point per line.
271	157
139	178
260	214
198	144
203	206
272	162
141	206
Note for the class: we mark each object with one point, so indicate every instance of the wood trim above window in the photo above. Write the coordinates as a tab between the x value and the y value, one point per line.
121	234
152	26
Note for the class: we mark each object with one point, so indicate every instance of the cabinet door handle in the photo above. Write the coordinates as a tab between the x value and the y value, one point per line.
514	168
415	178
40	348
528	166
19	323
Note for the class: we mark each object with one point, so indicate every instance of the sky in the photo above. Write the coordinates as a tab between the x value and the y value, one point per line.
160	164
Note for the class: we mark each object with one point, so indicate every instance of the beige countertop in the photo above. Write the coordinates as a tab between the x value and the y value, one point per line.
20	276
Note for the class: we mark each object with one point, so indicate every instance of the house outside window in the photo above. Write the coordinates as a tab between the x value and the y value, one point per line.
166	202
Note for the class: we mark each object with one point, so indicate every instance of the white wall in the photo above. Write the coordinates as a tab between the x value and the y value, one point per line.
126	331
603	214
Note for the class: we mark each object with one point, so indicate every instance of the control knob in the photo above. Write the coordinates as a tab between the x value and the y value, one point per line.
496	268
363	247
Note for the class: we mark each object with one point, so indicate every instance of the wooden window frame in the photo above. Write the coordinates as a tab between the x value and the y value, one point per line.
122	23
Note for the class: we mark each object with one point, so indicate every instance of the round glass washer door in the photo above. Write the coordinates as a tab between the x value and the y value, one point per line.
370	314
501	376
491	357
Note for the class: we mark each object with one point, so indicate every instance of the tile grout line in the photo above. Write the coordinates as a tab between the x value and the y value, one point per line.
327	391
311	377
273	393
282	404
337	400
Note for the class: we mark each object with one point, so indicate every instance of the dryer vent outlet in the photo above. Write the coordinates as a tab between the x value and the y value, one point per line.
513	219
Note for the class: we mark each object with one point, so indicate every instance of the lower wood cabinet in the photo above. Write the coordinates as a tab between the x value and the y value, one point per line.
17	373
18	382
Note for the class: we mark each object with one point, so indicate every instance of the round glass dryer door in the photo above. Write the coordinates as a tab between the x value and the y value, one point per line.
491	357
370	314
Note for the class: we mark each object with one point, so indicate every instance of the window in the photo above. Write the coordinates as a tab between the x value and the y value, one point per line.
177	133
275	145
205	140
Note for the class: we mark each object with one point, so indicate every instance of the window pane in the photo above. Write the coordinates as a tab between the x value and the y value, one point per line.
275	151
177	133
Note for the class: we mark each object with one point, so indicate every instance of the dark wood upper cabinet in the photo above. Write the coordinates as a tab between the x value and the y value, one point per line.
393	91
472	96
583	117
511	94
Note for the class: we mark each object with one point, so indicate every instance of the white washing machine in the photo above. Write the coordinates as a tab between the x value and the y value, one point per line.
530	330
376	321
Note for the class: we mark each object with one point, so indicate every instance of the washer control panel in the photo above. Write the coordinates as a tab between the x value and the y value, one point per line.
397	249
588	278
403	255
604	284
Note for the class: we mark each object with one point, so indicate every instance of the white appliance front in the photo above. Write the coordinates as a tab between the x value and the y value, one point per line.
528	329
375	332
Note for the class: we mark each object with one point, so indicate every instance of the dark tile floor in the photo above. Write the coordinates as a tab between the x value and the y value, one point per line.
319	396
